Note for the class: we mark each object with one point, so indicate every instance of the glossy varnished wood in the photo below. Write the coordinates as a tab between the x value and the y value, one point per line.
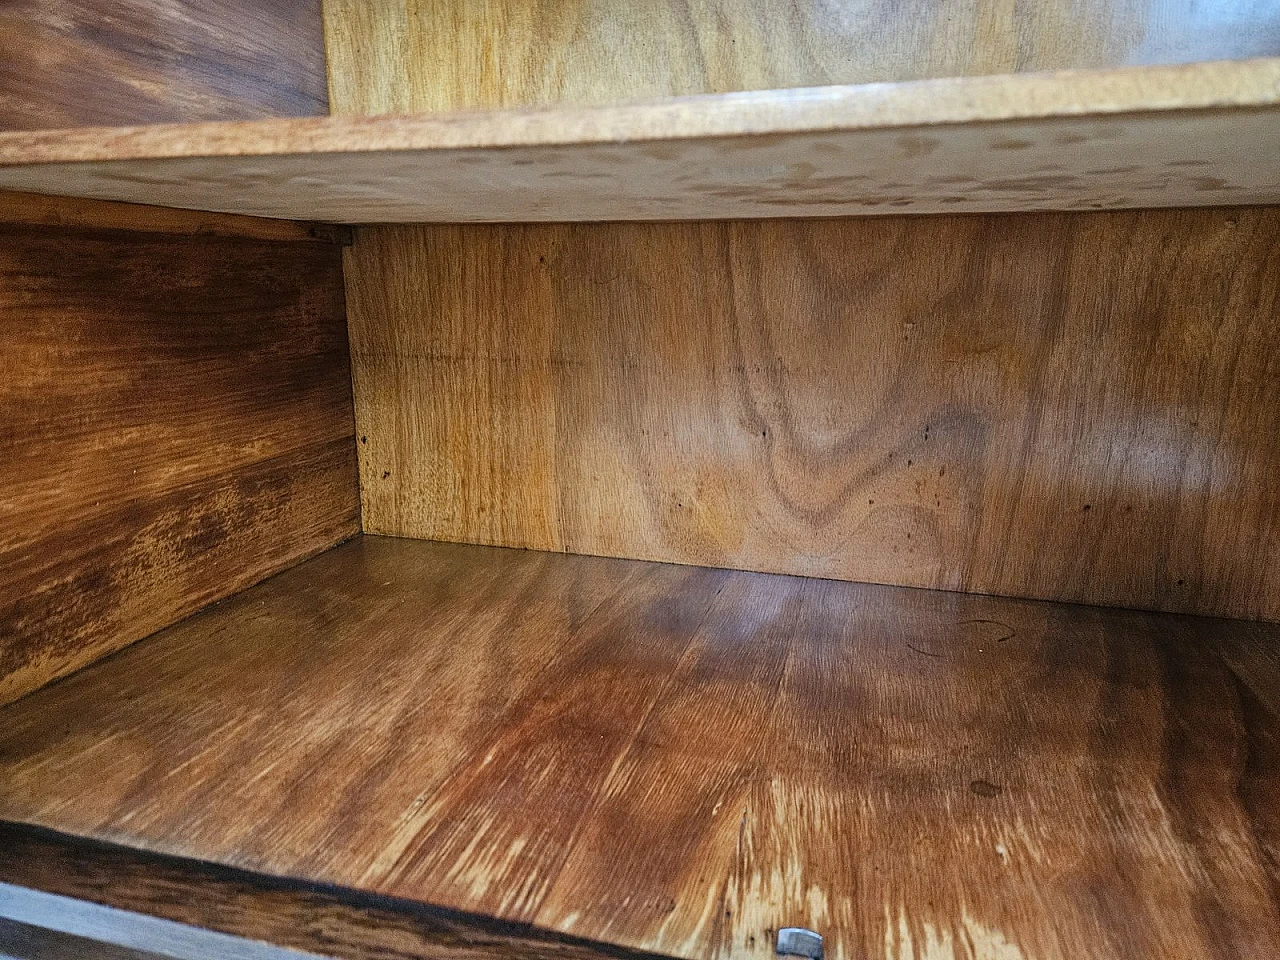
111	895
682	759
1070	407
69	63
175	423
460	54
1193	135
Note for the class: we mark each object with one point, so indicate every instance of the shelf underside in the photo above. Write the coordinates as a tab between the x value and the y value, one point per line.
1189	135
681	759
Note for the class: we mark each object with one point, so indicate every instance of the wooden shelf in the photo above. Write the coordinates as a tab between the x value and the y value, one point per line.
1203	134
664	758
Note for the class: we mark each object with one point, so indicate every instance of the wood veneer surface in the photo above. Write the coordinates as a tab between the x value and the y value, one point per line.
683	759
1070	407
111	893
1193	135
439	55
70	63
175	423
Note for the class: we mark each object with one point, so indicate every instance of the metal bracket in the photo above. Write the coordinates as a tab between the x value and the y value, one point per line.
799	942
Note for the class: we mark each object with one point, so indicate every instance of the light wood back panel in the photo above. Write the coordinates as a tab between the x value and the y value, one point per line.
175	422
69	63
1065	406
403	57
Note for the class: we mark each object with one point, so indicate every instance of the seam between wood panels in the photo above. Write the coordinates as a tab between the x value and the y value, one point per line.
348	265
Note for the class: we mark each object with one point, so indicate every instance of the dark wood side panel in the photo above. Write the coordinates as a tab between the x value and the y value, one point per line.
1078	407
69	63
175	424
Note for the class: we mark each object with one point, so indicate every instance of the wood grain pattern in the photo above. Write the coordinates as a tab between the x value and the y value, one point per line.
681	759
274	913
1077	407
1251	652
70	63
1197	135
33	209
175	425
442	55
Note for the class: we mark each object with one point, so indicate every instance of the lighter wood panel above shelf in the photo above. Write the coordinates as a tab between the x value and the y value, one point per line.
1194	135
677	759
464	55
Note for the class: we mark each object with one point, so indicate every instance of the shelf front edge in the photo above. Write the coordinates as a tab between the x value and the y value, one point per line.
1190	135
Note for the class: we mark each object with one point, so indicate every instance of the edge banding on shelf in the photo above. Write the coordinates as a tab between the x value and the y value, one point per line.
917	103
1189	135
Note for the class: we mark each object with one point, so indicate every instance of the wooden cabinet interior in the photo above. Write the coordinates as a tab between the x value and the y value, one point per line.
678	759
1078	407
393	748
175	420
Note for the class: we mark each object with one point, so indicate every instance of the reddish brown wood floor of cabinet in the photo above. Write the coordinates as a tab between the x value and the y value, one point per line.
681	759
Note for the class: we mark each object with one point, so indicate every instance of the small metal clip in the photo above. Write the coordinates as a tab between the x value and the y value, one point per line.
799	942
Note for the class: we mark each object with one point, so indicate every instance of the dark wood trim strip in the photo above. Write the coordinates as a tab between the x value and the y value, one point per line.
89	929
286	913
